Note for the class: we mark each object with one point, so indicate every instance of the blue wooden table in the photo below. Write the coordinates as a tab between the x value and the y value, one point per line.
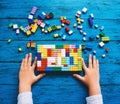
59	88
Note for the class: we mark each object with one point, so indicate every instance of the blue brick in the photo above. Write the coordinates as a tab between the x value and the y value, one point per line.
49	69
38	56
67	54
71	61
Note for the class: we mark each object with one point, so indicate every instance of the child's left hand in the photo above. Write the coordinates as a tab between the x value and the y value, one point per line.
26	74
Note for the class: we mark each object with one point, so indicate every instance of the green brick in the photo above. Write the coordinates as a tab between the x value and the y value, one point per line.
57	68
102	34
59	46
63	60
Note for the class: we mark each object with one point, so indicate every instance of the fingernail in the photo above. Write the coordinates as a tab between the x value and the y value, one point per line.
35	58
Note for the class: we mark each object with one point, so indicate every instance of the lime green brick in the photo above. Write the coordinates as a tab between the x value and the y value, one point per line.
63	60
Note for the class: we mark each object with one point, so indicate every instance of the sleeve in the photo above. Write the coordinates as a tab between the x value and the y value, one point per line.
95	99
25	98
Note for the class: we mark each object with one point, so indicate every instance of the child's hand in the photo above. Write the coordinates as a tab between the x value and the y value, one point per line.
91	78
26	74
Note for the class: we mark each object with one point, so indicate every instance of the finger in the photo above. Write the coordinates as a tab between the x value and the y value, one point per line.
39	76
77	76
94	62
26	59
30	59
97	62
90	61
22	64
34	63
84	66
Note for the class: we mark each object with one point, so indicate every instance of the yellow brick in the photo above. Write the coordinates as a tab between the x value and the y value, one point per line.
28	32
75	68
59	54
66	46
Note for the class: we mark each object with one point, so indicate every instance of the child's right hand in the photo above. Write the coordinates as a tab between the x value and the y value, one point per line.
91	77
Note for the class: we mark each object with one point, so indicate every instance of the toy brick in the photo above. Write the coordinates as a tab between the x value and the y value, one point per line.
28	32
10	25
53	28
105	39
57	58
84	10
15	26
30	16
101	44
33	45
56	35
90	21
102	34
49	29
58	46
57	68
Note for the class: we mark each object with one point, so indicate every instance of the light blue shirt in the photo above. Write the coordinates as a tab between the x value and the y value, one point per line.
26	98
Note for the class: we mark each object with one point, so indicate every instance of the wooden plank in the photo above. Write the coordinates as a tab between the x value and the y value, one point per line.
111	29
109	75
102	9
9	52
59	94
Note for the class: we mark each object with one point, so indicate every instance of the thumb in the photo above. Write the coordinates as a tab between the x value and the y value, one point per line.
77	76
39	76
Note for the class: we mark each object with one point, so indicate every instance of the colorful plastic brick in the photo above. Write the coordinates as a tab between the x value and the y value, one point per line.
67	28
70	32
65	57
56	35
51	15
42	16
96	26
102	28
78	13
9	40
28	45
15	26
28	32
34	9
30	16
90	21
101	44
10	25
33	44
106	50
84	39
84	33
84	10
64	37
105	39
103	55
92	15
17	31
94	52
34	28
102	34
74	25
19	49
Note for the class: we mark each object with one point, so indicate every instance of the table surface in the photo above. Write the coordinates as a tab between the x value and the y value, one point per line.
59	88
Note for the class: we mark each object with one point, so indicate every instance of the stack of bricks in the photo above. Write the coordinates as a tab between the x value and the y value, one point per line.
59	57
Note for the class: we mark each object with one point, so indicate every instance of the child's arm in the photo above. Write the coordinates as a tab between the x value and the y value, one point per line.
26	79
91	80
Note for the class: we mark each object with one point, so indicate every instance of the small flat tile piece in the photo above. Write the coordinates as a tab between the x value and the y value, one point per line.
58	57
